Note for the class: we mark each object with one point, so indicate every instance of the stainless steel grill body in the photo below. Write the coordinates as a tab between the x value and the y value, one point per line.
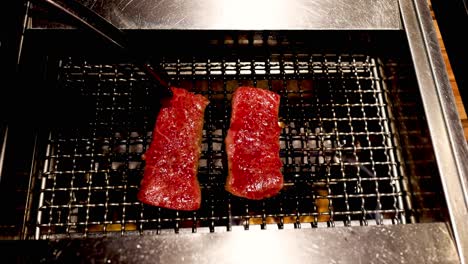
367	147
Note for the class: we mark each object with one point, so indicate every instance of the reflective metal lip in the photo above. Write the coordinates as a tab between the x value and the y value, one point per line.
248	14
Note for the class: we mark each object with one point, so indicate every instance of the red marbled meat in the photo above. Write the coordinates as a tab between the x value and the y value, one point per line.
252	144
170	175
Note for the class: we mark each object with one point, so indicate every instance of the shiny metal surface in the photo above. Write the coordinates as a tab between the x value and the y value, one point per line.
246	14
419	243
447	133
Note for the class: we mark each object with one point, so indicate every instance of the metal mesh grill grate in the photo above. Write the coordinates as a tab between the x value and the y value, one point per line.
341	164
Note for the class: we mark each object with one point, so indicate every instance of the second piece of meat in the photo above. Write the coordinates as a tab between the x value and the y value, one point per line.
252	144
170	176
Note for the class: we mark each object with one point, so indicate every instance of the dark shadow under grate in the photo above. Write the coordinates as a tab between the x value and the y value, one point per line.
340	156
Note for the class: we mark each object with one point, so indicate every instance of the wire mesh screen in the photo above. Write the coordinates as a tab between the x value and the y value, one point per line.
339	152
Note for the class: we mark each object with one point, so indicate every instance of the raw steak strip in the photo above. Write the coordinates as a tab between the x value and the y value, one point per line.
170	176
252	144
